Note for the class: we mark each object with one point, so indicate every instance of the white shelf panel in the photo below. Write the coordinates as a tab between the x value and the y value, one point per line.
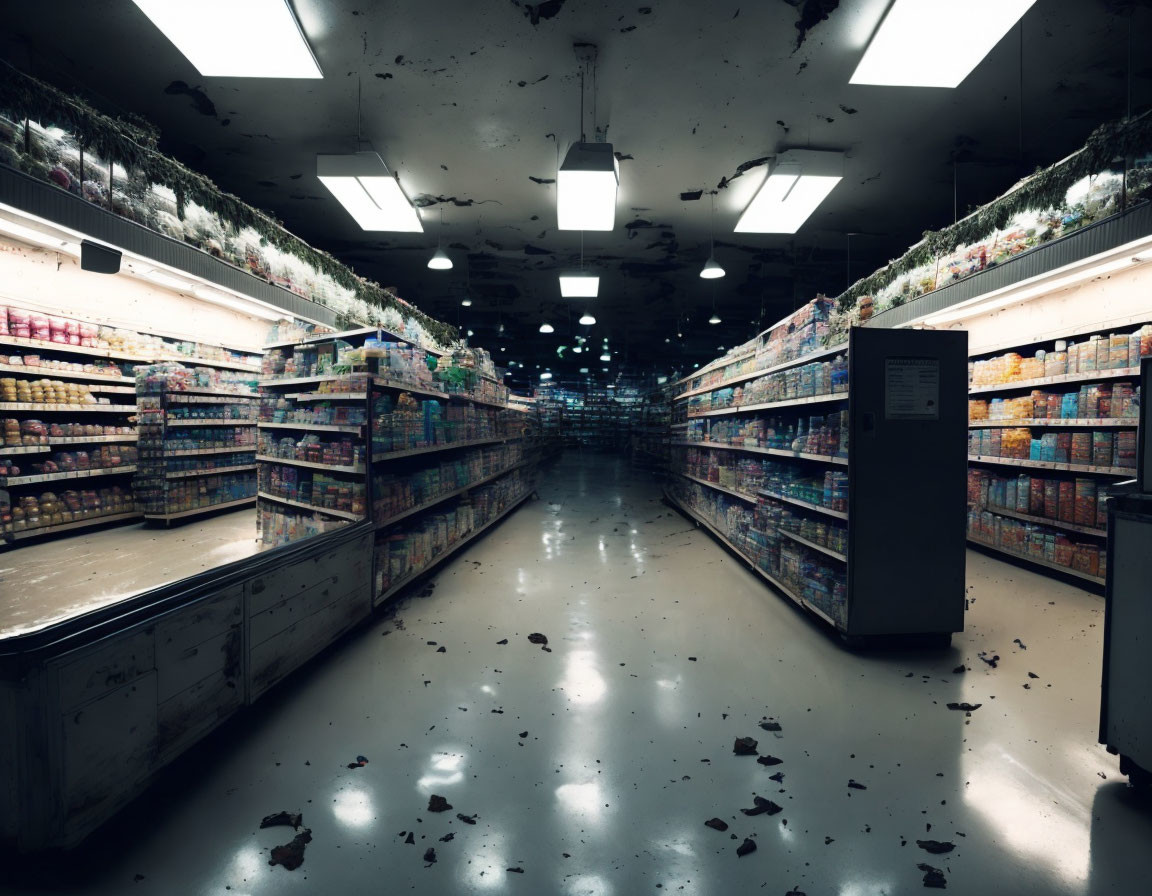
1122	422
76	524
298	380
342	514
731	381
71	349
1067	570
24	449
218	471
48	373
71	408
800	539
211	421
776	452
1046	521
827	511
751	499
71	474
401	386
1051	465
349	334
452	548
314	427
92	440
196	511
209	398
428	449
770	405
1084	376
327	396
292	462
440	499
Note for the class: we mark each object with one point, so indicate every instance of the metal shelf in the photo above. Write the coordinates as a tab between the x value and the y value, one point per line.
800	539
314	427
222	392
777	452
1046	521
451	549
440	499
292	462
71	349
828	511
1052	465
347	334
224	449
489	402
784	365
50	373
1039	561
342	514
401	386
447	446
189	361
208	397
195	511
93	440
300	380
1123	422
751	499
768	577
212	421
71	408
75	524
327	396
769	405
24	449
1083	376
70	474
218	471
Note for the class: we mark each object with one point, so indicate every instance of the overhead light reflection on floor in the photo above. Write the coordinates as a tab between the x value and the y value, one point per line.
582	680
354	807
444	771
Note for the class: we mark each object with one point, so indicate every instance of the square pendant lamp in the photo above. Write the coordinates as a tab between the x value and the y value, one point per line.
236	38
362	183
586	188
937	43
799	181
579	286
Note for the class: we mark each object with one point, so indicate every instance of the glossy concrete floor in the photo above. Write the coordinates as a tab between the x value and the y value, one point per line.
594	766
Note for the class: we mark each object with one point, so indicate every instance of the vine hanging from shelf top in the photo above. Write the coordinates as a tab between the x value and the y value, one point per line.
58	138
1108	174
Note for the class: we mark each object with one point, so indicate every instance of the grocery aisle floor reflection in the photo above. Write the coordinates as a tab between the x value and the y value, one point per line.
593	767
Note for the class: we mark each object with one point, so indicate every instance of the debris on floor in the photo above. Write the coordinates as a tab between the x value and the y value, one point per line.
762	807
965	707
286	819
717	824
449	837
502	641
537	638
441	649
523	734
516	870
744	746
990	660
1019	643
359	763
467	819
936	847
291	855
410	840
745	848
430	856
960	670
437	803
770	725
856	785
769	760
933	877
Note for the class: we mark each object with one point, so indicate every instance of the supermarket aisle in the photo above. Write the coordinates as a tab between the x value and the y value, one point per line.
593	766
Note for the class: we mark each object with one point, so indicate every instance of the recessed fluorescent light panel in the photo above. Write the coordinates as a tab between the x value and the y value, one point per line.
586	188
910	48
799	181
362	183
236	38
579	286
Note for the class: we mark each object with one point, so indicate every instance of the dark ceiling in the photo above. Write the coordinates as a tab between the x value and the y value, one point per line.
472	103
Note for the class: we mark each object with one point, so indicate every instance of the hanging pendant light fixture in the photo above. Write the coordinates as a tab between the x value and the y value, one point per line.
440	260
578	284
587	320
715	318
712	269
588	179
547	328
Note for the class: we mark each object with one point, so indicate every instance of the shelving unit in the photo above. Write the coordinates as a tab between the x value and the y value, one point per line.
88	444
874	457
1072	398
181	477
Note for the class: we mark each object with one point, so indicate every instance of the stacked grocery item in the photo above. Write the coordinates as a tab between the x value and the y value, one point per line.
306	486
402	422
820	378
1104	448
395	492
1095	401
197	440
1079	501
45	391
1114	351
822	434
404	552
30	515
311	448
1038	542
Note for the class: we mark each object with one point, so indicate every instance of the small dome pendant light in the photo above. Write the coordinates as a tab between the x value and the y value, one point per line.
547	328
712	269
440	260
587	320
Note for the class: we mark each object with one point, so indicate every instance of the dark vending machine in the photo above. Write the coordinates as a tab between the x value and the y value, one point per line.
1126	693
